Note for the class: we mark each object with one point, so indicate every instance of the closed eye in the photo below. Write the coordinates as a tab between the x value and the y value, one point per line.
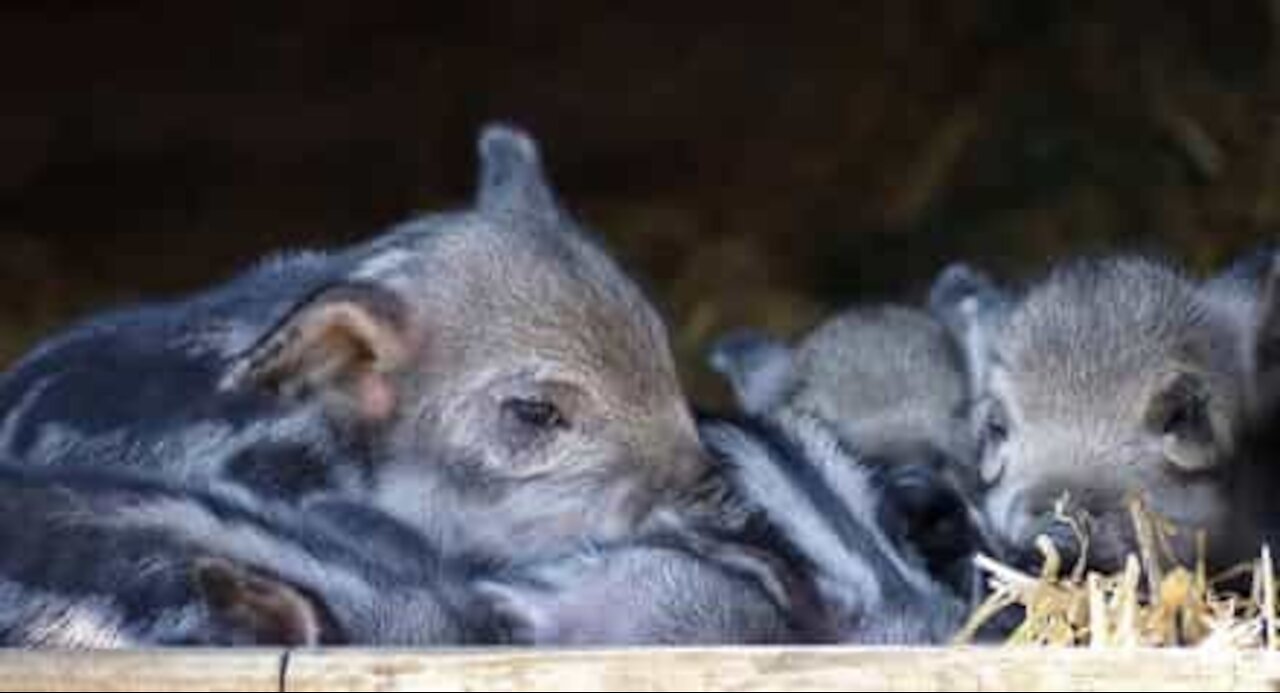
535	413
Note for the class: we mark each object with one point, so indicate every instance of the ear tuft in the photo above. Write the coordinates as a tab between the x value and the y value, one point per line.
512	179
972	307
1267	337
757	366
962	288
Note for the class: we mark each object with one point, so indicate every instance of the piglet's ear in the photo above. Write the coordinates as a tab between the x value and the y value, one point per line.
1246	273
759	368
972	307
1267	336
344	347
512	179
260	609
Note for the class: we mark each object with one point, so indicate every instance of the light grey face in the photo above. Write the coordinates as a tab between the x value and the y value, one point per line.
1110	378
521	387
549	393
888	378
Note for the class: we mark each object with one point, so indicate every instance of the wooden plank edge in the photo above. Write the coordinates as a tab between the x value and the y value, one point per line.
793	668
654	669
177	669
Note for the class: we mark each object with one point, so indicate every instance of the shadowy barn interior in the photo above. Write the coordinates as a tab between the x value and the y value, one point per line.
755	164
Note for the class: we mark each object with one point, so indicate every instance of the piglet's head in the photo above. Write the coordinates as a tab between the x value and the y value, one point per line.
513	388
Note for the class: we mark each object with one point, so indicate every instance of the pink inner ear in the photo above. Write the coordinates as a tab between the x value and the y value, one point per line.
375	396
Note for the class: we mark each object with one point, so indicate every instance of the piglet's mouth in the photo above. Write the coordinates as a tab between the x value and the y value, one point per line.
1053	547
1060	544
1054	539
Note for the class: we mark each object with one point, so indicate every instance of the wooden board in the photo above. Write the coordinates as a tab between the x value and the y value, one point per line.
800	669
142	670
701	669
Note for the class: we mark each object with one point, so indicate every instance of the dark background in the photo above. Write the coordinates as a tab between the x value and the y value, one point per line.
754	164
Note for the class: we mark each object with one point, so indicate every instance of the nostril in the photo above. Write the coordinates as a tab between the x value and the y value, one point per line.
1017	521
1065	541
1027	554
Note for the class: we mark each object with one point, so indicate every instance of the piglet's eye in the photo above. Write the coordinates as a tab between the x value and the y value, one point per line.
995	430
1182	411
1182	417
535	413
994	423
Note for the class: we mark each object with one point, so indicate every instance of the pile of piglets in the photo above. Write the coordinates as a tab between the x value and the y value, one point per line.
469	430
